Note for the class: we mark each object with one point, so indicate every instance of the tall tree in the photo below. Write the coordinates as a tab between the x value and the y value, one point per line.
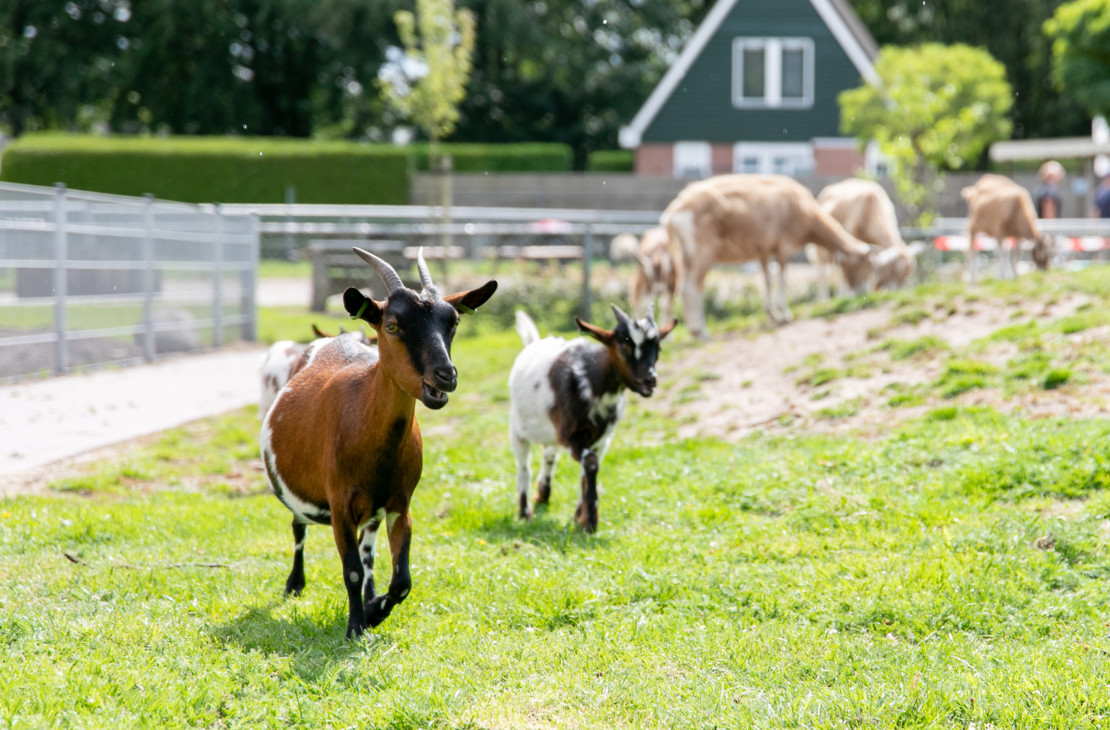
1009	29
57	60
934	107
1080	33
568	71
429	79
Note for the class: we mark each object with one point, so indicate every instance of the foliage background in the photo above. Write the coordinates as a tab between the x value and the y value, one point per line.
546	70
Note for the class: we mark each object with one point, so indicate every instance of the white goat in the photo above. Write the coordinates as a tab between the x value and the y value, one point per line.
764	218
864	209
656	276
1000	208
571	394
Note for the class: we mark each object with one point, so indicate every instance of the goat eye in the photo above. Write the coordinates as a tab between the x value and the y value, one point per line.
392	328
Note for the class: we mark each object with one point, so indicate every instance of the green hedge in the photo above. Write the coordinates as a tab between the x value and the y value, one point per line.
522	157
611	161
253	169
213	169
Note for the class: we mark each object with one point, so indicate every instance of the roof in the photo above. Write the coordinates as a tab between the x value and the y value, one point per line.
837	15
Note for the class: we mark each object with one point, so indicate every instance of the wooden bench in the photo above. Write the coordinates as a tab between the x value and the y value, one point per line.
335	267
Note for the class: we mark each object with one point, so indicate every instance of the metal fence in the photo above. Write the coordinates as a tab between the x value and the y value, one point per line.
89	279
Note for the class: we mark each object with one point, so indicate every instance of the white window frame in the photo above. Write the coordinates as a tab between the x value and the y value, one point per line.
693	160
772	73
796	158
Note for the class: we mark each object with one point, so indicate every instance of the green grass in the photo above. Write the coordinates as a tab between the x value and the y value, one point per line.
949	573
809	581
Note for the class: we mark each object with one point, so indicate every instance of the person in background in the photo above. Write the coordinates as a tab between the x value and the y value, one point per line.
1102	197
1046	196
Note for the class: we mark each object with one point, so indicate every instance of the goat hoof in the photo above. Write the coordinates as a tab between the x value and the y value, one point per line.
355	629
377	610
524	510
293	588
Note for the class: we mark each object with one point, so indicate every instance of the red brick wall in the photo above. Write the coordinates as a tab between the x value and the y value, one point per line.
838	161
720	156
655	159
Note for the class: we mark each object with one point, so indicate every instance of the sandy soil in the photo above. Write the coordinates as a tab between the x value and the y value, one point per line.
738	383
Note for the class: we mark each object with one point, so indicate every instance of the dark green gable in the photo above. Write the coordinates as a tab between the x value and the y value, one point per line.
700	108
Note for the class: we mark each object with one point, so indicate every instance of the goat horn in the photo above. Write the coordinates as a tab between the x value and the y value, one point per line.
422	267
621	316
388	273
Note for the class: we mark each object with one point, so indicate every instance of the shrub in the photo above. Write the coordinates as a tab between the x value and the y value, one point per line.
611	161
531	157
213	169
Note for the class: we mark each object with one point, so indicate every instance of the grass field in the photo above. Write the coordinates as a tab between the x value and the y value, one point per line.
950	573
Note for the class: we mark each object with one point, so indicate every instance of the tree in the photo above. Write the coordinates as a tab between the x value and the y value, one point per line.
56	61
569	71
428	81
1011	30
1080	33
933	107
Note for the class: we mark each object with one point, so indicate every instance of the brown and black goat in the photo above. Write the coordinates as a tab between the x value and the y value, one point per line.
341	444
571	394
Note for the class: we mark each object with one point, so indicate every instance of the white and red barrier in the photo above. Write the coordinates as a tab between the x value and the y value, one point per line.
1079	244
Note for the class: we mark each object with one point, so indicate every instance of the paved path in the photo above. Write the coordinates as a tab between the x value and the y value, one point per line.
45	420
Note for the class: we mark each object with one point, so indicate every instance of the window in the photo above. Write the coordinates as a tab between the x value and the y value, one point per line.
692	159
772	72
782	158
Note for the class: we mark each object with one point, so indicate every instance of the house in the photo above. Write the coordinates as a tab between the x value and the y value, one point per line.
755	90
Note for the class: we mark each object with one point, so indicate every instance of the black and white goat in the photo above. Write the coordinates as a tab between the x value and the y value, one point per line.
341	445
285	357
571	394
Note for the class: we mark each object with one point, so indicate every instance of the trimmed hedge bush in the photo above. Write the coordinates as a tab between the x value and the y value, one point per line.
611	161
524	157
253	169
213	169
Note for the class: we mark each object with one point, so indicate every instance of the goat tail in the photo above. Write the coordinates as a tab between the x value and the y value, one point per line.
526	328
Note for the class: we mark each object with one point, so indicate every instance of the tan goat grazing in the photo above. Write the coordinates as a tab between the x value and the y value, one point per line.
1000	208
341	445
867	212
764	218
656	275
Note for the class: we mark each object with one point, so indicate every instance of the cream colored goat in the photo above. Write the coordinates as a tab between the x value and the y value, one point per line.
867	212
656	274
1000	208
738	218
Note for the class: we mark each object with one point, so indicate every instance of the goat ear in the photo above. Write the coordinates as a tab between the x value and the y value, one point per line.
666	329
468	301
360	306
602	336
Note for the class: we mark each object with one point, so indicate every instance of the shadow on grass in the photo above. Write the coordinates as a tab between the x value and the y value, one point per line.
312	644
560	533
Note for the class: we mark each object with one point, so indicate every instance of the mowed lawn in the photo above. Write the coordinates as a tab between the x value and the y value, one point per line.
953	572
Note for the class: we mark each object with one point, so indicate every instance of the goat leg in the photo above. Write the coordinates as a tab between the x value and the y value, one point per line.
294	584
543	483
586	513
400	536
353	575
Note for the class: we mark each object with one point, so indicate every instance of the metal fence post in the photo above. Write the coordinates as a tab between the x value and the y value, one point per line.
61	275
148	278
587	254
249	283
217	283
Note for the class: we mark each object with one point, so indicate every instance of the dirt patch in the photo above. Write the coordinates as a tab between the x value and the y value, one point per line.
834	375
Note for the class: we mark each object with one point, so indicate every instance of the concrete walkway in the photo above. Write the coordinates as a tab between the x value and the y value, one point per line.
46	420
43	421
